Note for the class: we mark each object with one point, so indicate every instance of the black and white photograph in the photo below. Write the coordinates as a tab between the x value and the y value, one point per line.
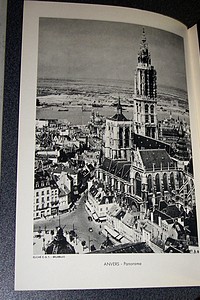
113	169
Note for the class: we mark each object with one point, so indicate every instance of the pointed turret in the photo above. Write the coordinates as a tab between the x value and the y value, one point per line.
181	145
119	107
144	57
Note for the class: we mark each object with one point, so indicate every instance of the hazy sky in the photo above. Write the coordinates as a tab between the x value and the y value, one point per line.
78	49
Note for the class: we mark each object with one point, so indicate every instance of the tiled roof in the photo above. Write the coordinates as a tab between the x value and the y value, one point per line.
163	216
163	205
44	179
172	211
119	117
144	142
118	168
156	158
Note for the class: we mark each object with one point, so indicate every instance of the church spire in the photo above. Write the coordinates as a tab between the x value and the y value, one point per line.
143	36
144	57
119	107
181	145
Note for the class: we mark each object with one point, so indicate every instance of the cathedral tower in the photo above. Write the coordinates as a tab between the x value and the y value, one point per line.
118	142
145	89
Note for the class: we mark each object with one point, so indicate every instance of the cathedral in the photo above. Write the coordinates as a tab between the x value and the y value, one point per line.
134	161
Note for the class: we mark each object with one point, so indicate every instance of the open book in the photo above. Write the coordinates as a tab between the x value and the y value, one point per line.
108	167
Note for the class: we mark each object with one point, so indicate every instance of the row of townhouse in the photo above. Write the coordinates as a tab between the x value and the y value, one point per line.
46	195
162	232
57	188
52	194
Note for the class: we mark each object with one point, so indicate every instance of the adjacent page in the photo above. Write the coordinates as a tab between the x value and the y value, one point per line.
3	10
108	168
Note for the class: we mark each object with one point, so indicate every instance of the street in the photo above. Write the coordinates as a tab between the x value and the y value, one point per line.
76	220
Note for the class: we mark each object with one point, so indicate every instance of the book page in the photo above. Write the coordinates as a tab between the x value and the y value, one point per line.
108	189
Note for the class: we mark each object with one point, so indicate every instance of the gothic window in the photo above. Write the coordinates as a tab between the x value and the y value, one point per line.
120	137
157	180
152	109
146	118
149	183
127	137
165	182
149	201
146	108
172	181
152	118
138	184
180	179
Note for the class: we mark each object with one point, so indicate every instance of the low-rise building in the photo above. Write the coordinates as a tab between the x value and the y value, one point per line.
46	198
99	201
